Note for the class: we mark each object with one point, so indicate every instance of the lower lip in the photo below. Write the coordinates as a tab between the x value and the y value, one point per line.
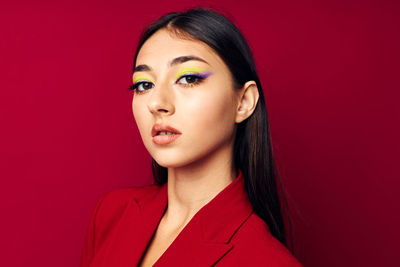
165	139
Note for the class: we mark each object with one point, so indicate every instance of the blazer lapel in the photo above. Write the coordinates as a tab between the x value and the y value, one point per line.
205	239
188	249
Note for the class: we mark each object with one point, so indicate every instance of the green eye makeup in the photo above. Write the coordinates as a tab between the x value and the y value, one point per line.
141	78
191	70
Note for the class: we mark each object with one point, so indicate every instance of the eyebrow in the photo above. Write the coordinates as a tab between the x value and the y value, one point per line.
175	61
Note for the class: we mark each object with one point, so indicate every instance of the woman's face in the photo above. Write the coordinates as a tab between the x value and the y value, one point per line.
185	85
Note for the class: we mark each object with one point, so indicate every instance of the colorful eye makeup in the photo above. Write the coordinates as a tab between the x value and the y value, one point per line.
141	78
186	77
192	71
140	81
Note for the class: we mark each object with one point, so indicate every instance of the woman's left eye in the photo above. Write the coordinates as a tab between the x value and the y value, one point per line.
189	79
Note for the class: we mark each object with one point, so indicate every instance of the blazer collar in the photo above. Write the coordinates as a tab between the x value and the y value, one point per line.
202	242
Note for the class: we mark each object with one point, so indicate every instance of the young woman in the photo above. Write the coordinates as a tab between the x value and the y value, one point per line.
200	110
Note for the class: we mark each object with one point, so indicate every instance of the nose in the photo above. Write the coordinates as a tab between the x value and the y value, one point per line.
161	100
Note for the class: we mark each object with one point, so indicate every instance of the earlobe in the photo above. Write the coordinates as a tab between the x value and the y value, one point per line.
247	102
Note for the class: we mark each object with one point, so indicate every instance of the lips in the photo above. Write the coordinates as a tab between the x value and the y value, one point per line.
164	134
158	128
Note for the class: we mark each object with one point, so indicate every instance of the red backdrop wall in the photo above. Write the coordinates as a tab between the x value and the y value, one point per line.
330	74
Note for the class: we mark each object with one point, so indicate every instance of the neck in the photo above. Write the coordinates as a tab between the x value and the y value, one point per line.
192	187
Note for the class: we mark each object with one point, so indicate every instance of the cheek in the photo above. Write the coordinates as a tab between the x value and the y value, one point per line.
139	114
211	114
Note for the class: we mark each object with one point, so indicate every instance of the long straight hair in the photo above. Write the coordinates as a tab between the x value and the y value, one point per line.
252	147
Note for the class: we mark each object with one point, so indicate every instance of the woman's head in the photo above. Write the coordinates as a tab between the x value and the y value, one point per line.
194	71
183	83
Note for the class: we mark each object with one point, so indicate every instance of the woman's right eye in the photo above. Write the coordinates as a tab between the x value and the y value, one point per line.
140	87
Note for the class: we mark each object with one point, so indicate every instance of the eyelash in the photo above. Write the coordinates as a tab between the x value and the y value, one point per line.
198	78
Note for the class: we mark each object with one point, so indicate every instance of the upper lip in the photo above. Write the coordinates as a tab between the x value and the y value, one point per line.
158	127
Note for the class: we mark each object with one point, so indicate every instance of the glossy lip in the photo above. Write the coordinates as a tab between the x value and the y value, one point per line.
164	139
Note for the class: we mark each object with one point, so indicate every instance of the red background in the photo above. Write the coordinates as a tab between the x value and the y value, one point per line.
330	71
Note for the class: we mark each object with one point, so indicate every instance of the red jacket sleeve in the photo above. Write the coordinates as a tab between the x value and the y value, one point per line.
89	244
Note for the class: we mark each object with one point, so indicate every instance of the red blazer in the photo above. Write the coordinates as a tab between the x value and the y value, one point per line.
225	232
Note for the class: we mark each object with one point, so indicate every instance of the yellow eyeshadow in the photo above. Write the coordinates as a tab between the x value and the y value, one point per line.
188	70
140	78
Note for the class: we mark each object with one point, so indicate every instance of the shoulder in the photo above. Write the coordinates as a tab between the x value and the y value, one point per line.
112	206
119	198
265	249
105	217
115	202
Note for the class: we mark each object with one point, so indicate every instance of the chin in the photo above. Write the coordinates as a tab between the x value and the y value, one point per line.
170	162
179	160
178	157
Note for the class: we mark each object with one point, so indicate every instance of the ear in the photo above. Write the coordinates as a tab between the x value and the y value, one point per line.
248	98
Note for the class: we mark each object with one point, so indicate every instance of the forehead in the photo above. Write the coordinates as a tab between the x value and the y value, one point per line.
164	45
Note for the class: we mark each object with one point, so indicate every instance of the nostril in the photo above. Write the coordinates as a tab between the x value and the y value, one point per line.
160	105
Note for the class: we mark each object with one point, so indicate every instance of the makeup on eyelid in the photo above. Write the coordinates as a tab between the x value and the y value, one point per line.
185	72
192	70
141	78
